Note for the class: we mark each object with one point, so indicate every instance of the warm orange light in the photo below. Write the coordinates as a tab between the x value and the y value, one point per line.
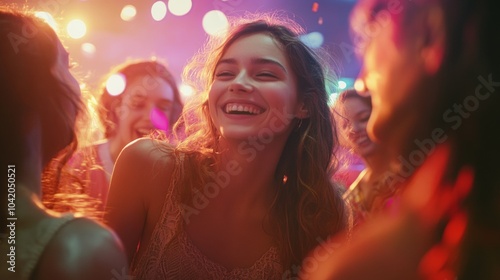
315	7
76	29
359	85
128	13
88	49
49	19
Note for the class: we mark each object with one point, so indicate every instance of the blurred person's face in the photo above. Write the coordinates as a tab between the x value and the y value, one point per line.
394	70
146	105
353	126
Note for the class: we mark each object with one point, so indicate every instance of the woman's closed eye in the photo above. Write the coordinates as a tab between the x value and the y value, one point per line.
267	75
224	74
165	107
136	102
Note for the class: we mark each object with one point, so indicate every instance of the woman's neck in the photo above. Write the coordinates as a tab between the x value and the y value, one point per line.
115	147
377	164
246	175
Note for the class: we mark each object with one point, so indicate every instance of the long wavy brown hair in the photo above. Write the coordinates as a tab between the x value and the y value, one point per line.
307	208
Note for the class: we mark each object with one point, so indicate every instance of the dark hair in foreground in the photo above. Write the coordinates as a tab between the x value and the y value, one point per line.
306	208
28	51
476	142
469	79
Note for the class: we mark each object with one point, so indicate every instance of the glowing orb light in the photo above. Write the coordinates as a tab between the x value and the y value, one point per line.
115	84
76	29
128	13
179	7
158	10
215	23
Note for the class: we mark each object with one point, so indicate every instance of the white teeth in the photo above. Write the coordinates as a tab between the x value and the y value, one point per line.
239	108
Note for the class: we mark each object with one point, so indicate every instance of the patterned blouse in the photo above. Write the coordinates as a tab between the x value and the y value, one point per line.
171	254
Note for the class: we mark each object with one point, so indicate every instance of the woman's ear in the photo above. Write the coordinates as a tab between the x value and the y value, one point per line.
433	46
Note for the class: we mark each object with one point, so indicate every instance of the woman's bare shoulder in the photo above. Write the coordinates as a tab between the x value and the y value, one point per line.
146	150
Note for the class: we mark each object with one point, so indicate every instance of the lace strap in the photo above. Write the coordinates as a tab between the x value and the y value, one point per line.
165	229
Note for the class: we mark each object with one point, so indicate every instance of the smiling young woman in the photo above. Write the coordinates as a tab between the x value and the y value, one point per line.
375	187
246	194
137	98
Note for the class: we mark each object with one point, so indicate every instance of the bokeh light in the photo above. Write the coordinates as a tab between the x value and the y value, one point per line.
115	84
76	29
128	13
359	85
179	7
49	19
159	10
315	7
342	85
88	49
313	40
186	92
215	23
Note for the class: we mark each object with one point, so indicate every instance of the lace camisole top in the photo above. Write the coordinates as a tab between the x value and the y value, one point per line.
171	255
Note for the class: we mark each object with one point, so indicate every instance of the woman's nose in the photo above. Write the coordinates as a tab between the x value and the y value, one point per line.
241	83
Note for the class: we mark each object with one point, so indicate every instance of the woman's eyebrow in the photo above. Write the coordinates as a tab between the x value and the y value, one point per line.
226	61
261	60
258	60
